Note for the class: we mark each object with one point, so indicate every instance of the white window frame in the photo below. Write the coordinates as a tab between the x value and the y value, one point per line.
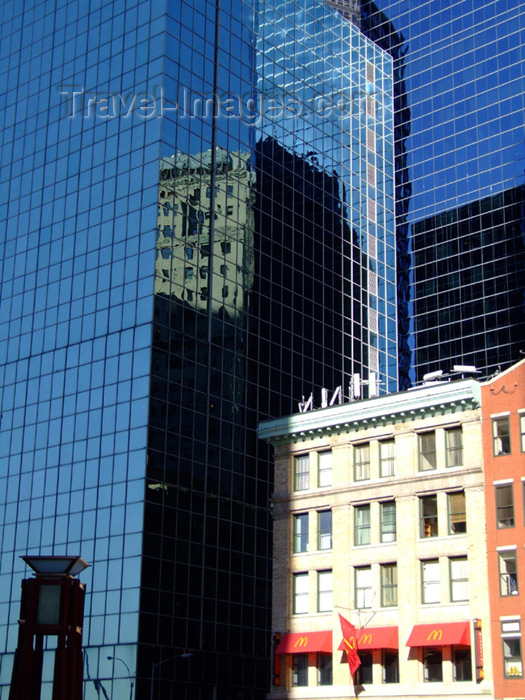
324	472
427	457
433	518
506	508
300	535
363	587
300	593
362	531
508	571
387	535
454	451
325	585
453	517
458	579
501	442
387	462
430	581
301	476
389	585
362	466
324	536
511	634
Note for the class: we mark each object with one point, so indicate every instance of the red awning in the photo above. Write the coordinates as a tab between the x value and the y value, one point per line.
304	642
440	634
375	638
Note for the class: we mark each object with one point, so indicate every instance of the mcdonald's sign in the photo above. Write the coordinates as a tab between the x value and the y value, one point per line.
350	643
440	634
435	635
478	649
305	642
301	642
372	638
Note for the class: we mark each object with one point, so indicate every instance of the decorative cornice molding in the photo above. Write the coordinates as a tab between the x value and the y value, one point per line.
425	402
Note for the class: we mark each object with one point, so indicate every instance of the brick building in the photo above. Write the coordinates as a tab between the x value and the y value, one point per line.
376	508
503	401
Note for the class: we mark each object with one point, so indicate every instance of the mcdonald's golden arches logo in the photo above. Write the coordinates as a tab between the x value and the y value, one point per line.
350	643
435	635
301	642
365	639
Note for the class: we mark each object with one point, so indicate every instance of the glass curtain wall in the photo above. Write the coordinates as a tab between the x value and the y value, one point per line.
463	77
197	230
78	199
275	248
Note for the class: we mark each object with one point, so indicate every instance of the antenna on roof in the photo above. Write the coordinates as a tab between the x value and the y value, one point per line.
431	376
465	369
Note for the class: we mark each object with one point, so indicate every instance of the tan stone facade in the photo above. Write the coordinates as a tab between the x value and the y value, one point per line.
418	455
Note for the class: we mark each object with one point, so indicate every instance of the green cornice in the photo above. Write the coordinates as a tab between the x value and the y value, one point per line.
424	402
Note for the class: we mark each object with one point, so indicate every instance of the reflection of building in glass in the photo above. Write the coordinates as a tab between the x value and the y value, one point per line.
468	294
323	280
348	8
177	281
377	26
346	88
195	260
275	277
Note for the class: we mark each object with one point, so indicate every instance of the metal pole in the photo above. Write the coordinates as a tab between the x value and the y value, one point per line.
154	666
116	658
185	655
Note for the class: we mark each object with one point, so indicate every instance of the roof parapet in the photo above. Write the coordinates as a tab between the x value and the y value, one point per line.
448	397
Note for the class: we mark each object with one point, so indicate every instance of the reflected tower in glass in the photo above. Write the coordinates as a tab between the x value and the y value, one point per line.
197	232
463	80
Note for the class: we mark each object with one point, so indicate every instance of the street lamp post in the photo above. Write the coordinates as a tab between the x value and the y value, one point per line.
116	658
185	655
52	604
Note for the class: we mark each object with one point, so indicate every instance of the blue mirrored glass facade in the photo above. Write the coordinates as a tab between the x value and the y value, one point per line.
197	211
460	126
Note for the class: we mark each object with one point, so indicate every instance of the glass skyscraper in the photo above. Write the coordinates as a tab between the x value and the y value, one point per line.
197	211
460	153
468	272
